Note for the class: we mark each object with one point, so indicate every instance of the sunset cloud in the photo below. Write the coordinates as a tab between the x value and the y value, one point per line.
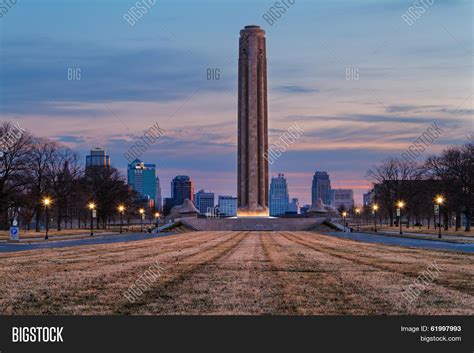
155	71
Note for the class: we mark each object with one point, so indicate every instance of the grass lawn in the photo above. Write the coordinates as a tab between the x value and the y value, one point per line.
294	273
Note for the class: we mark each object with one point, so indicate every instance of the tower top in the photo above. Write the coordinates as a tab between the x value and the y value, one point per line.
252	29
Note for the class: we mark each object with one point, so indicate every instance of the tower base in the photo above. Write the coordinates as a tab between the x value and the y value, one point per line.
261	212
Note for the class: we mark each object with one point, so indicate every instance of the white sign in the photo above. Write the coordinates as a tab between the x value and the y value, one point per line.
15	223
398	212
436	209
94	213
14	233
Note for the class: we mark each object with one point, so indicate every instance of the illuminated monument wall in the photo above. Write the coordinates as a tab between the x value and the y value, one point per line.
252	183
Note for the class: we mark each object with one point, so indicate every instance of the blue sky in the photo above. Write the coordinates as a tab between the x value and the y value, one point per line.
155	71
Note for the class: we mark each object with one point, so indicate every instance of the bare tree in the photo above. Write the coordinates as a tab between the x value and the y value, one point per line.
42	152
394	180
63	168
107	189
455	168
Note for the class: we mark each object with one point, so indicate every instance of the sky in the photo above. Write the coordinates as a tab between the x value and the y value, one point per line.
406	76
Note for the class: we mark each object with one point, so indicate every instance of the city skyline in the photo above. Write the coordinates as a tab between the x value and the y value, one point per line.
366	88
227	194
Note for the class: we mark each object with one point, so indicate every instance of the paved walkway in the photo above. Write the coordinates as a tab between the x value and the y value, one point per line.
363	237
418	243
462	238
92	240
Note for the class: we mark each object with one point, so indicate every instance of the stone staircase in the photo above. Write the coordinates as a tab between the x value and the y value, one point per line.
252	224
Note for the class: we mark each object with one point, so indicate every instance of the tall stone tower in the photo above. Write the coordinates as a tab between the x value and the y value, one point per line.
252	183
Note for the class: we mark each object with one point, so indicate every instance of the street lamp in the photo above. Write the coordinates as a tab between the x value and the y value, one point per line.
121	209
375	207
47	203
400	205
157	216
439	201
142	215
344	214
92	208
357	212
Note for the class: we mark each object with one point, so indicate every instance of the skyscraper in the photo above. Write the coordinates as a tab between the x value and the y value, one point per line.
142	178
158	198
204	201
227	206
252	182
278	196
97	158
321	188
182	188
343	197
294	206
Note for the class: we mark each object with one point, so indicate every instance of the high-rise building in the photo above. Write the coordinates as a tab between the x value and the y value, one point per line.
204	201
227	206
142	178
368	198
343	197
294	206
168	203
182	188
98	158
321	188
159	197
279	198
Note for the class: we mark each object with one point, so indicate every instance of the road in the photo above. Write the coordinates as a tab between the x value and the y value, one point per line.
93	240
460	238
364	237
399	241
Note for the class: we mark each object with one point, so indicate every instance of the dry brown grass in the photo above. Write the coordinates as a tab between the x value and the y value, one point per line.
235	273
31	234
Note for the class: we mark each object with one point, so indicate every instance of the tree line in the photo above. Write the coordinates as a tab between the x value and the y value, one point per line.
450	175
34	168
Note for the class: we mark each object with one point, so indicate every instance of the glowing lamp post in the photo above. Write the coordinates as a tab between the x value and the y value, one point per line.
439	201
47	205
142	216
375	208
157	216
357	212
344	215
92	209
400	205
121	210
